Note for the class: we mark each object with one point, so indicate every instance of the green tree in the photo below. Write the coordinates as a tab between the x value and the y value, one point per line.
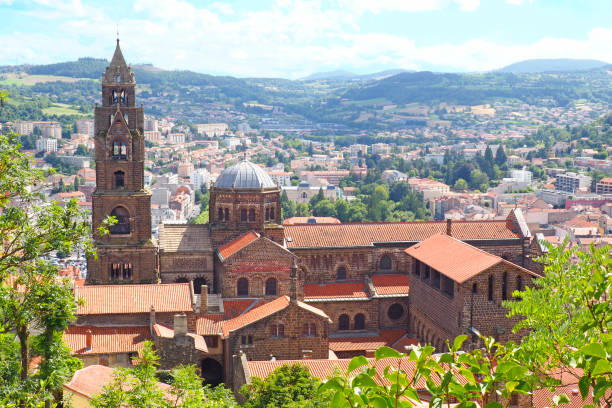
287	206
317	197
302	210
342	210
500	156
379	206
289	386
478	178
324	208
137	387
461	185
32	295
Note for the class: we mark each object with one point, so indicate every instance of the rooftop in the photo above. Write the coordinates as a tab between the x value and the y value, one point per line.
106	340
244	175
230	248
184	238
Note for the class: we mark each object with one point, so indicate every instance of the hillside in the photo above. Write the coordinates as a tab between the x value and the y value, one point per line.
552	65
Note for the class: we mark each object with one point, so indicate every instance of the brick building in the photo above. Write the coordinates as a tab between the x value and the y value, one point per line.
245	284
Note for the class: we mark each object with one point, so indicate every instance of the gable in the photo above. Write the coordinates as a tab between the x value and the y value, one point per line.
256	250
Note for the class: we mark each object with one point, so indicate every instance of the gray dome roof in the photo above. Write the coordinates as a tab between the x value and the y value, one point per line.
244	175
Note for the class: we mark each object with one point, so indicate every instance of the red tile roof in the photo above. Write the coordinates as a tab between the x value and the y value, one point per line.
264	311
235	307
389	285
310	220
364	343
105	340
230	248
453	258
89	381
335	290
120	299
367	234
209	325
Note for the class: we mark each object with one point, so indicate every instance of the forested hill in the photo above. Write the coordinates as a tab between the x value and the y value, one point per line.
534	66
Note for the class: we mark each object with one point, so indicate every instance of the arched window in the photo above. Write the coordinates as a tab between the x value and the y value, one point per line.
395	312
242	287
359	321
122	226
119	179
341	273
505	286
271	287
227	214
272	213
181	280
252	214
344	322
243	215
220	215
197	285
121	271
114	98
277	330
123	97
119	150
491	284
385	262
304	195
309	330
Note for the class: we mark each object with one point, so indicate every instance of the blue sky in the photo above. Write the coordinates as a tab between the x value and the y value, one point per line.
291	39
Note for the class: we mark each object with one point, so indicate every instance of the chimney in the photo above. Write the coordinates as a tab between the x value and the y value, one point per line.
293	288
449	227
370	353
204	300
88	339
180	325
152	320
306	354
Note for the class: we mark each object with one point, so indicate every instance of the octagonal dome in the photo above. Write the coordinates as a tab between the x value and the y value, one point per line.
244	175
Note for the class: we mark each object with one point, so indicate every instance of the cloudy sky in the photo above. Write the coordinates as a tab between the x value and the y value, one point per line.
292	39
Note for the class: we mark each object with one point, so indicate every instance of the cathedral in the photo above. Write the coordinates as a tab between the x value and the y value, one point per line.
245	286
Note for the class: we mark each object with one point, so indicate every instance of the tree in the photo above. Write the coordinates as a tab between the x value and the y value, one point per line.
342	210
324	208
287	386
287	206
31	292
398	191
461	185
302	210
478	178
500	156
137	387
317	197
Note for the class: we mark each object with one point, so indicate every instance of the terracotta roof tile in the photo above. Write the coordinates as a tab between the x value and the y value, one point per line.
120	299
367	234
335	290
184	238
235	307
389	285
209	325
230	248
263	311
119	339
364	343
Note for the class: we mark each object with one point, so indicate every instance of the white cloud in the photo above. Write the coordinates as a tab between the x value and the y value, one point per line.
290	39
518	2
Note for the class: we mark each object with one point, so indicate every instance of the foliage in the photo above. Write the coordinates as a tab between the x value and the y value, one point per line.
287	386
32	295
138	387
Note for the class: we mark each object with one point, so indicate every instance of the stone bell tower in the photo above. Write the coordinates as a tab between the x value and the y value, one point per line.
127	253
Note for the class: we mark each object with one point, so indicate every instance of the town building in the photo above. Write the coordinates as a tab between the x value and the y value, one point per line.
572	182
604	186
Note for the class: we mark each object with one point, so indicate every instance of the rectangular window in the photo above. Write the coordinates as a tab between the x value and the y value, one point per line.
416	267
426	273
448	286
435	279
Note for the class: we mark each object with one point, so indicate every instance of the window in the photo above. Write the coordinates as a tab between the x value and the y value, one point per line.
212	341
491	284
272	213
243	215
277	330
448	286
227	214
343	322
119	150
220	215
123	97
505	286
122	226
385	262
474	288
416	267
271	287
435	280
119	179
341	273
309	330
242	287
519	283
252	215
267	214
246	340
359	321
121	271
114	97
395	311
425	275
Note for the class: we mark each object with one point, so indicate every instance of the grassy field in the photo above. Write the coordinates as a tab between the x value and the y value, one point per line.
62	109
25	79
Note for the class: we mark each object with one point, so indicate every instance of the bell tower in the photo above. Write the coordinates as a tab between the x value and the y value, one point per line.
128	253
